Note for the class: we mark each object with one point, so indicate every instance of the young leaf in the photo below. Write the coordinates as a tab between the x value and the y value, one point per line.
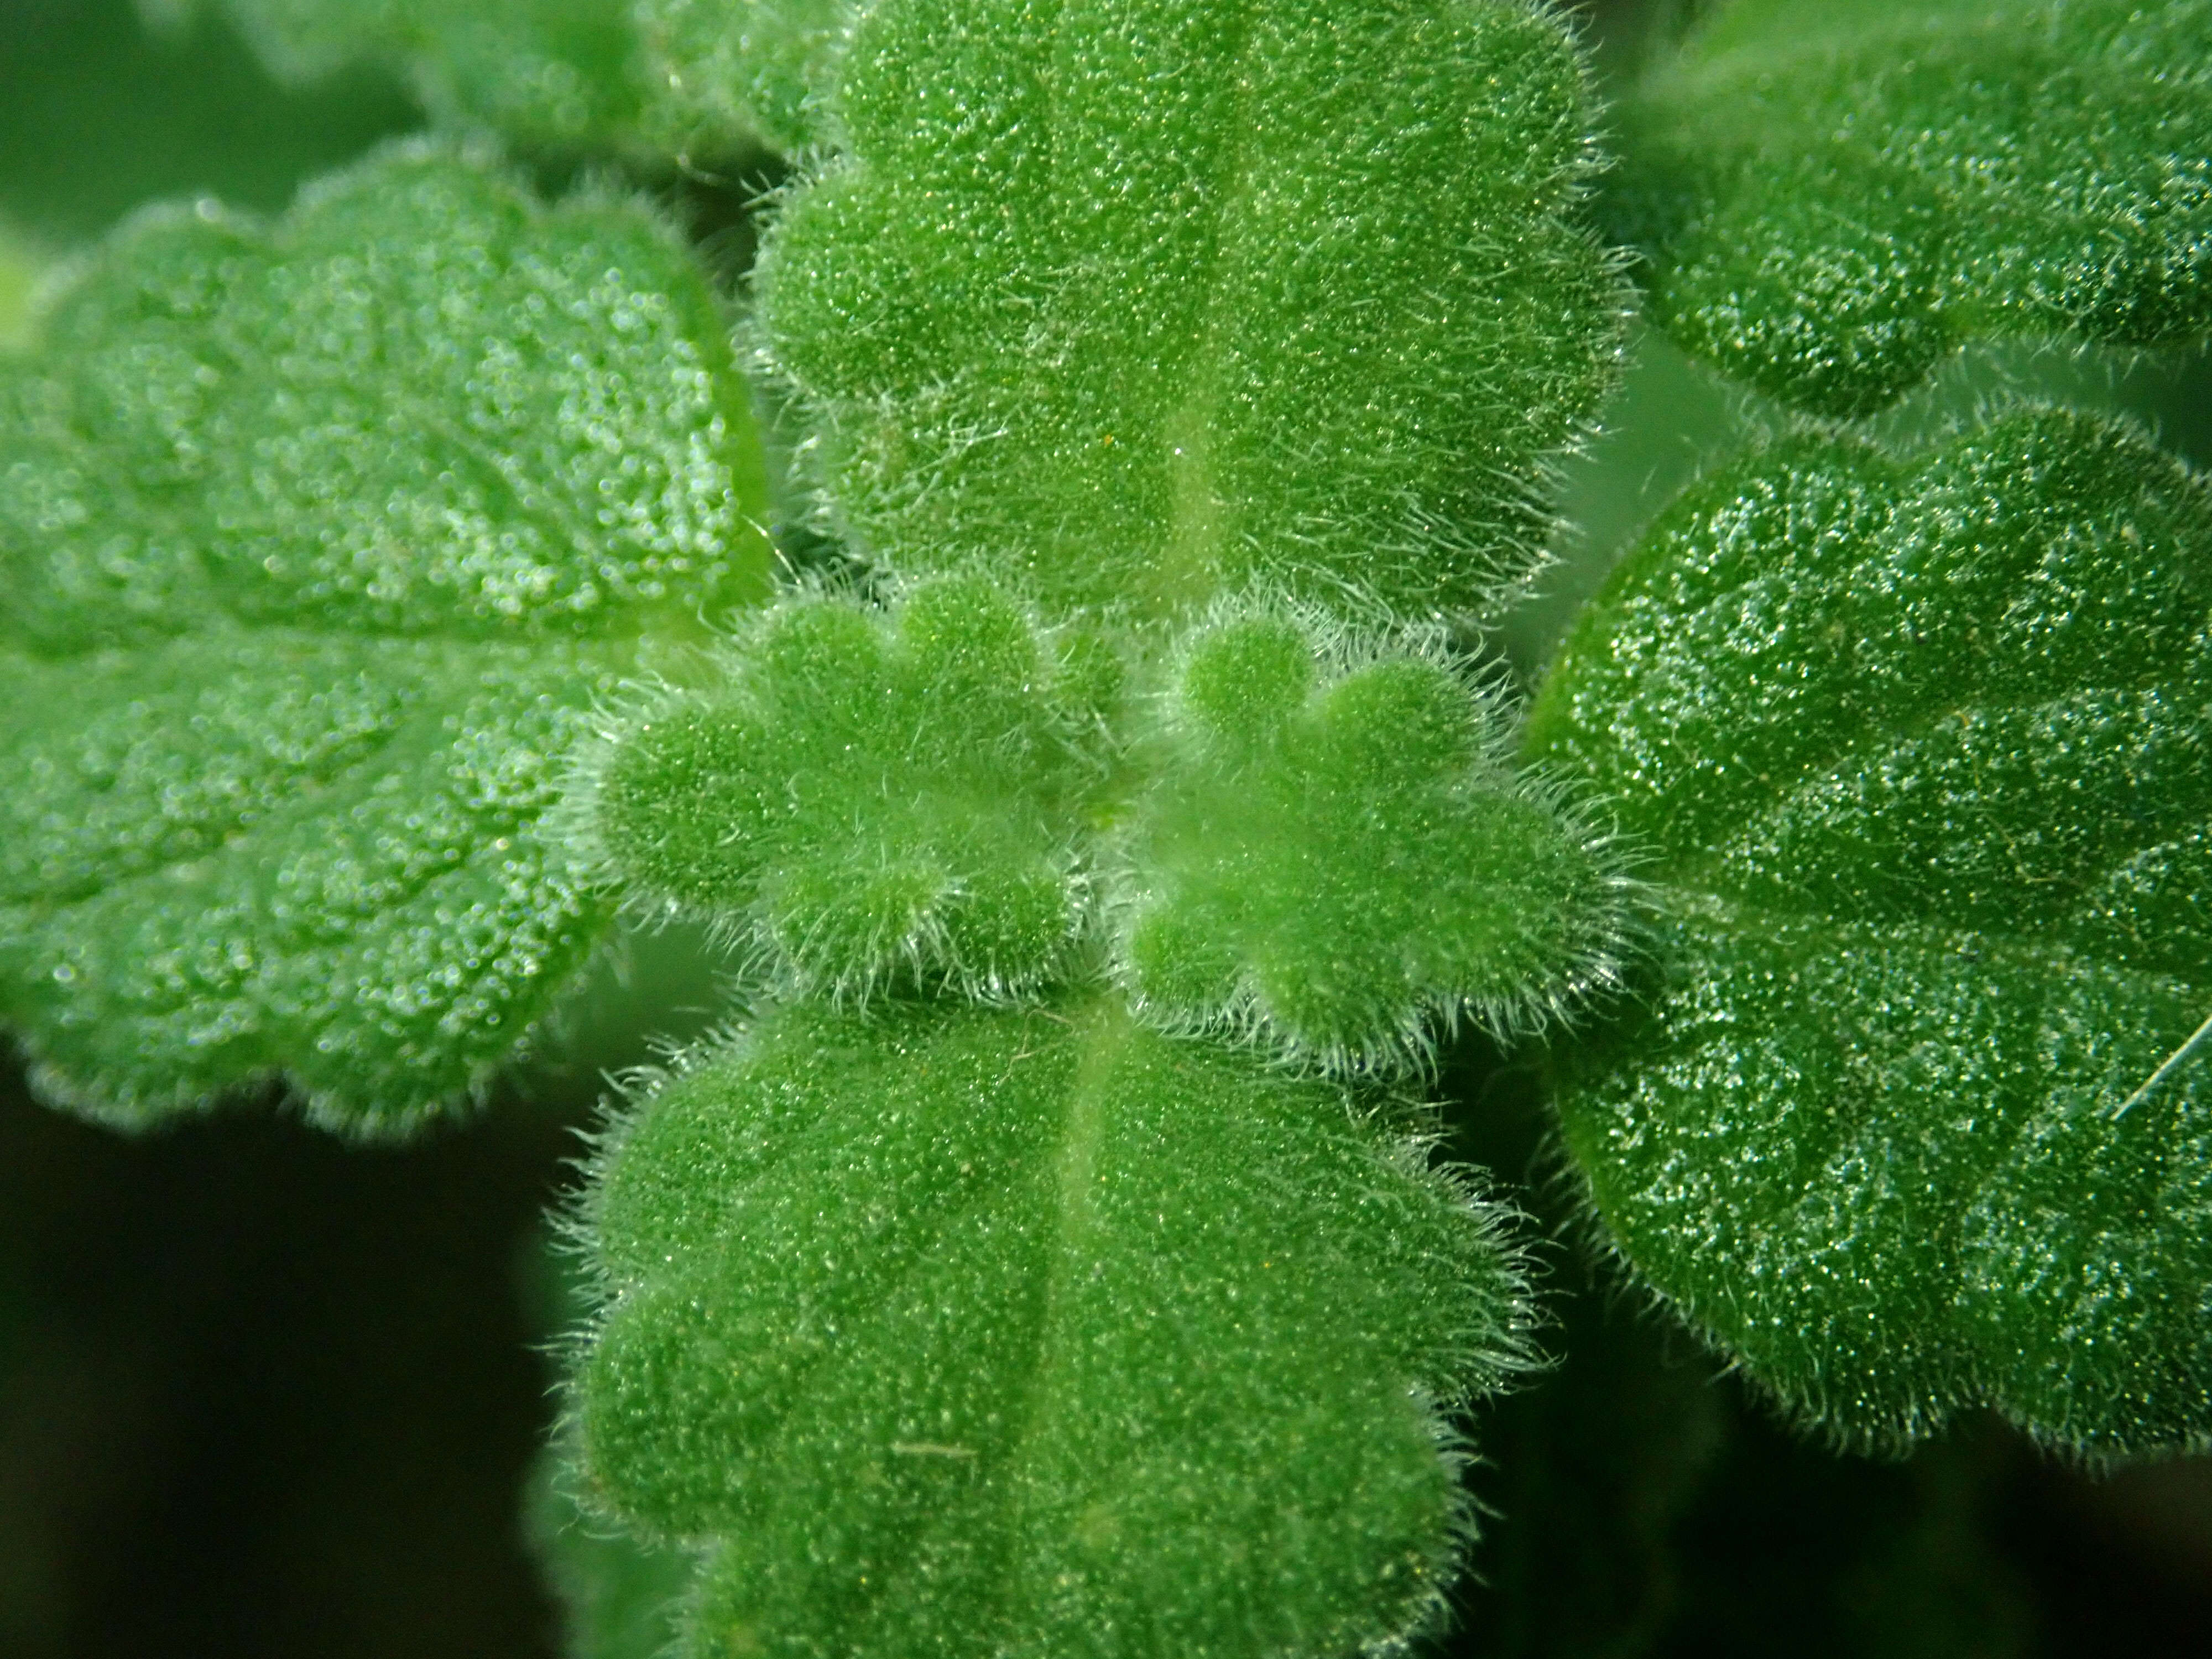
1136	300
1337	855
1834	194
983	1331
1924	751
560	72
865	797
727	71
319	543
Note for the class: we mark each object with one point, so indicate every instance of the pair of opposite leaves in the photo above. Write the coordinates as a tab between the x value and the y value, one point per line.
935	798
364	307
1190	519
1024	1371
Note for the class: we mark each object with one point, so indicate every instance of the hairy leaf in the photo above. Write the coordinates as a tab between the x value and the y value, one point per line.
990	1331
1335	856
868	797
319	542
619	1598
1923	750
1835	192
728	69
1136	300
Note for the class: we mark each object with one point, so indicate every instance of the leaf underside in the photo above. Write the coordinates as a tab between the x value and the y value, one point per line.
321	542
1923	750
1834	196
990	1331
1135	301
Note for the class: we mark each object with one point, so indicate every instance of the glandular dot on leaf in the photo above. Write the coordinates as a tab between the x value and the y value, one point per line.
1923	747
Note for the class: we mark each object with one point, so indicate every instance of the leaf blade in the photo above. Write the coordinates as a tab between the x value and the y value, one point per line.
295	685
1924	927
1137	301
1023	1382
1834	197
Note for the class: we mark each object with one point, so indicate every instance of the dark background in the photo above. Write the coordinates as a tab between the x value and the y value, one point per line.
263	1396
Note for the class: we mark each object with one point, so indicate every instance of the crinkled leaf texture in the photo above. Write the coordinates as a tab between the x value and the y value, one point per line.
1135	300
985	1331
319	542
565	73
1923	750
1835	192
871	799
1337	852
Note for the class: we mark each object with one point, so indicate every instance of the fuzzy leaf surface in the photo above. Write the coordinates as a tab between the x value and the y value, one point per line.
867	797
990	1331
1834	194
619	1598
1340	854
1922	748
320	540
1135	300
723	70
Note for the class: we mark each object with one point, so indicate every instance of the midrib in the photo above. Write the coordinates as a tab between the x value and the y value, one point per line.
1101	1034
1187	567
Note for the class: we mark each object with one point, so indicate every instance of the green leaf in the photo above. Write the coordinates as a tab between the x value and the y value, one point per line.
20	268
725	71
1833	195
980	1331
869	798
619	1598
565	73
1921	750
1338	854
1137	300
320	541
